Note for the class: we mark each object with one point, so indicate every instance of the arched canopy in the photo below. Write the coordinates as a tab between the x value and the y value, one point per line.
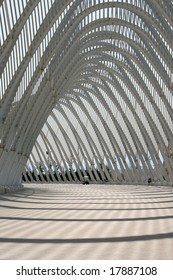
86	90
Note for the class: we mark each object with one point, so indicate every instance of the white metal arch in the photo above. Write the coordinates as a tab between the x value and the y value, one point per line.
86	89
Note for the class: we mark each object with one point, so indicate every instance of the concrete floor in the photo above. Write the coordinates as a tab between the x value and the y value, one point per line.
87	222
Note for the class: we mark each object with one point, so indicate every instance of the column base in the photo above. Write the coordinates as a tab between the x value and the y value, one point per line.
10	189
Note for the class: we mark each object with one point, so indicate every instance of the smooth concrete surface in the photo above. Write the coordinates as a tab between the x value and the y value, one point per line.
87	222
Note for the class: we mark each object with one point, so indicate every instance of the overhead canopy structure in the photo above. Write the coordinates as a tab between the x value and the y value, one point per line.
86	89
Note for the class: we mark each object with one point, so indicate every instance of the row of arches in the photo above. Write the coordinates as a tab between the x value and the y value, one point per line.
86	90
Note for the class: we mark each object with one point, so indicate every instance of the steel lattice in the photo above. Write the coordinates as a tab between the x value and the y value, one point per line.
86	90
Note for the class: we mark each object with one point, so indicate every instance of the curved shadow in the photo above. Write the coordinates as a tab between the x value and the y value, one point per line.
86	209
88	220
89	240
71	201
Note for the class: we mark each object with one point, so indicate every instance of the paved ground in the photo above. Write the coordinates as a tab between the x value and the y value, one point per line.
87	222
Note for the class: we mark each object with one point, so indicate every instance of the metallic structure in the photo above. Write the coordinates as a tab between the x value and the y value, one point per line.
86	89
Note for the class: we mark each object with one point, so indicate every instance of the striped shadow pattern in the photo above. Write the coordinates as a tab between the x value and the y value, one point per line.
87	222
